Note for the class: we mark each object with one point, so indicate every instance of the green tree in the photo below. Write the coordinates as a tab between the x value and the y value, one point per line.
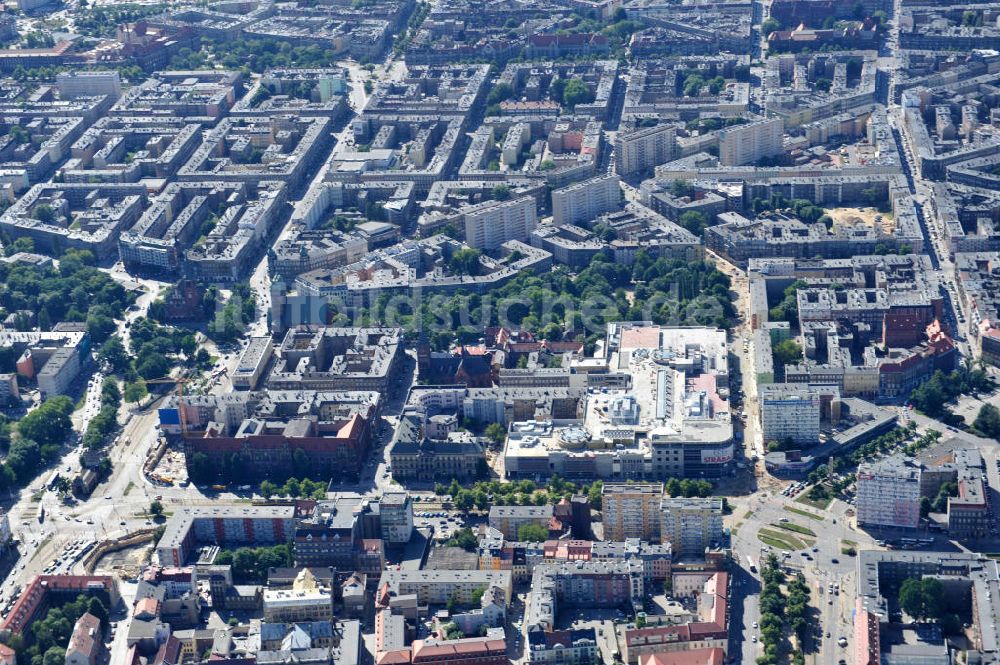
135	391
500	92
54	656
694	221
465	261
988	421
463	538
681	188
44	213
693	85
922	598
50	423
770	25
156	509
576	92
114	354
532	533
153	365
96	607
20	245
787	352
495	432
500	193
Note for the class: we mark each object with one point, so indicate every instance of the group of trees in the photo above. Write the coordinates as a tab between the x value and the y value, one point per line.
295	489
532	533
788	308
75	291
52	633
899	439
102	21
559	305
703	125
155	348
570	92
892	441
465	261
501	92
237	467
37	441
618	30
416	18
922	599
19	135
786	352
484	494
463	538
250	564
925	600
228	318
932	396
940	502
693	83
987	422
253	55
778	610
694	221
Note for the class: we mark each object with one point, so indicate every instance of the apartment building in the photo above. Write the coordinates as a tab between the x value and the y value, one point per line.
690	525
492	223
437	587
644	149
307	600
581	202
396	517
631	510
73	84
747	144
508	519
790	411
889	493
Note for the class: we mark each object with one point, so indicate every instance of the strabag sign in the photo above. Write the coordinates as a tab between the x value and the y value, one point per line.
722	455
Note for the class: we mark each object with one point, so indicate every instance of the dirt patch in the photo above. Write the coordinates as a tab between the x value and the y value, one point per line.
125	561
870	217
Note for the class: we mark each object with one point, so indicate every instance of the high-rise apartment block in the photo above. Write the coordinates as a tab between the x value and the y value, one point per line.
889	493
748	144
690	524
644	149
631	510
492	223
584	201
396	517
790	411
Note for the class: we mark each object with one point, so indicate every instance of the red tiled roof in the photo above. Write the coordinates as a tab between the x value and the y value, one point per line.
711	656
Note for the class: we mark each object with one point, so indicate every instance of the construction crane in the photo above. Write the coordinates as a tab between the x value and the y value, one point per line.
179	383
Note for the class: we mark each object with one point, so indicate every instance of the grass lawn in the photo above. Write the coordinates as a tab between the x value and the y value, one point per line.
780	540
805	513
797	528
848	547
821	504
